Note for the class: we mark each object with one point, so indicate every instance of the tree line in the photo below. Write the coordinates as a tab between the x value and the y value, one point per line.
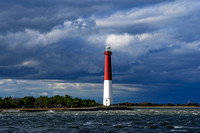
155	104
45	102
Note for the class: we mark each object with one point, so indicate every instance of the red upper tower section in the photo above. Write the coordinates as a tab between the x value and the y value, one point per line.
108	69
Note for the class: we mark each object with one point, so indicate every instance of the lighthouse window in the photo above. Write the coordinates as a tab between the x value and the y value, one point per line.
107	70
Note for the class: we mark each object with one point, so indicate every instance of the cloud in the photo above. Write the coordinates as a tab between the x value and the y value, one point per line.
193	46
155	14
48	54
30	63
153	42
139	44
33	37
43	15
44	94
59	87
119	41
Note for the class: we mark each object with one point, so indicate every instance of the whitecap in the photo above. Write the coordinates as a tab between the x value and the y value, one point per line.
195	113
178	127
10	111
87	123
122	124
173	130
50	111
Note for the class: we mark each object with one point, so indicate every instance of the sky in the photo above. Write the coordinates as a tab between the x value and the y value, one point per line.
56	47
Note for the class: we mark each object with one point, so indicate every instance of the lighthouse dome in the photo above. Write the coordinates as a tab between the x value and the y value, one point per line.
108	48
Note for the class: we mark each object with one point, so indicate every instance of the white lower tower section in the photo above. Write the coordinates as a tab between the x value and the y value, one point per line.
108	93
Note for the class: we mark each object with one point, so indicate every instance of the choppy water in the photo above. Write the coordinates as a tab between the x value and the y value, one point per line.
136	120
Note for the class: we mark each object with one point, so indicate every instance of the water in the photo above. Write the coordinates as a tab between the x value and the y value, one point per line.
136	120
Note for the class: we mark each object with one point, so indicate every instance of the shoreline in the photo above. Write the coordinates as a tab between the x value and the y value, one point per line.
67	109
98	108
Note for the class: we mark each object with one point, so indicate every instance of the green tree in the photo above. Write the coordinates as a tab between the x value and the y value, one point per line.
68	101
19	103
85	103
28	101
92	103
1	103
7	102
16	102
43	101
58	101
77	102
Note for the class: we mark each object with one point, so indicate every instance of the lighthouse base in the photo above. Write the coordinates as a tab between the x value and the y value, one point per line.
108	95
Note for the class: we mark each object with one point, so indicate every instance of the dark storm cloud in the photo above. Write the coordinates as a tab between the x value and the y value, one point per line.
67	47
43	15
155	43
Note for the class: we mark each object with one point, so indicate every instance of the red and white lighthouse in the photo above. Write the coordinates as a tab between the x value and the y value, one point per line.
107	93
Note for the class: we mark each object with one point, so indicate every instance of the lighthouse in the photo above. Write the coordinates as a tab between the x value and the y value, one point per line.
107	93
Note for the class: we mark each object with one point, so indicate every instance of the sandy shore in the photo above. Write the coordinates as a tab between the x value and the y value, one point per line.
93	108
68	109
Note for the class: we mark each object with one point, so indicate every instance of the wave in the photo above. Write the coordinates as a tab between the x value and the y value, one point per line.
10	111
